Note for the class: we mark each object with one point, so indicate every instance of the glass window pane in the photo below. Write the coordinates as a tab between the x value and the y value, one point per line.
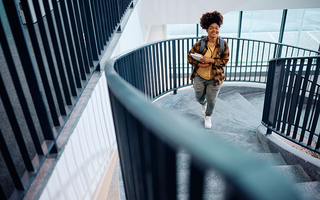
261	25
229	28
303	28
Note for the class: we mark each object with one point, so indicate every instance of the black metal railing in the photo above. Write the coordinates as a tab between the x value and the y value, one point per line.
292	104
47	58
162	67
149	140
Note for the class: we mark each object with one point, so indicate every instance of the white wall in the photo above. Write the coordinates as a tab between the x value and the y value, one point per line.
89	153
157	32
135	33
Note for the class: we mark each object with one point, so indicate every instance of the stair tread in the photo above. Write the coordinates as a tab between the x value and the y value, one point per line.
235	99
256	99
308	190
272	158
294	173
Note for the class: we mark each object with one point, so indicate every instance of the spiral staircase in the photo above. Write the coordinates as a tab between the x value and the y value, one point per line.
235	119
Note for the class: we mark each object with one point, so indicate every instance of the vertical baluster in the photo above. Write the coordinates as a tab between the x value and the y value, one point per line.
231	58
241	66
120	122
255	72
137	150
29	71
49	58
196	181
2	193
179	66
292	52
148	71
315	117
159	80
171	173
189	67
174	65
247	58
295	95
310	98
155	70
63	45
96	25
162	67
56	48
76	37
282	94
102	17
226	71
9	162
90	38
74	63
151	66
170	64
289	76
144	71
148	155
301	99
15	126
166	65
18	88
81	31
252	53
261	67
141	70
182	60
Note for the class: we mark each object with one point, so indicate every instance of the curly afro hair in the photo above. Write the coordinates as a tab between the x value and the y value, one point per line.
211	17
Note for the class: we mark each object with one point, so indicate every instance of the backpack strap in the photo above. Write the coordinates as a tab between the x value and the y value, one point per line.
221	44
203	43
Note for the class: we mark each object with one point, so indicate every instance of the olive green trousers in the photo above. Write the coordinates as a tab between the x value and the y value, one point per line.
206	92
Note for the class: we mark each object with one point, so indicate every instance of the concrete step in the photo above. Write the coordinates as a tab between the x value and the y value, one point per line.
272	158
255	148
293	173
308	190
256	99
246	136
236	100
232	118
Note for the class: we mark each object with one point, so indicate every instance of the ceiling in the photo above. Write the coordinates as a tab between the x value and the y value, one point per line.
158	12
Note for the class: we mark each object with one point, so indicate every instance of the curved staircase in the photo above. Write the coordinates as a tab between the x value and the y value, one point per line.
236	117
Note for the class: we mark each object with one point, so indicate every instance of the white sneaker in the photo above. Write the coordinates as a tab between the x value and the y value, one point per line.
203	109
207	122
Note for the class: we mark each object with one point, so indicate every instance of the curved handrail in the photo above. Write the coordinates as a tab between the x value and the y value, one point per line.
250	67
292	106
137	121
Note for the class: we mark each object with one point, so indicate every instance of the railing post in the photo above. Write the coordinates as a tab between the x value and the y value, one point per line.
283	22
273	92
239	36
174	65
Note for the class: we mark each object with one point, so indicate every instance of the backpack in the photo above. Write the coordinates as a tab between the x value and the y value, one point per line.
203	42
